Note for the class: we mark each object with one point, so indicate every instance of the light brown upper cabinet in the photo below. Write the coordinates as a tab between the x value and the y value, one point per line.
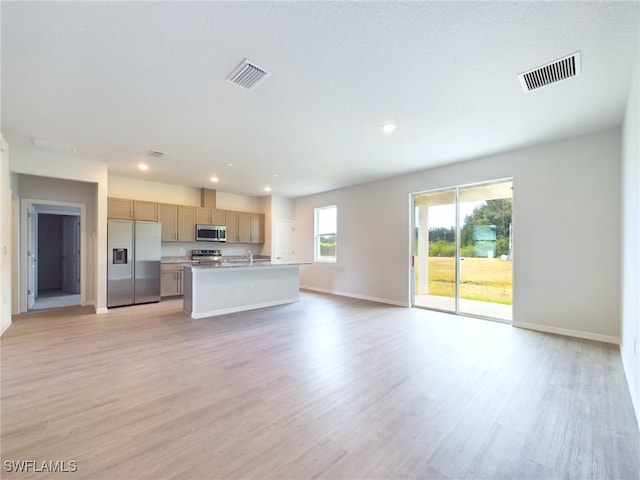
231	221
126	209
218	217
178	222
121	208
186	224
168	217
203	216
147	211
244	227
257	228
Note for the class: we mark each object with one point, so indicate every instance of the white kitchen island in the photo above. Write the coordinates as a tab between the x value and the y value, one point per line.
217	289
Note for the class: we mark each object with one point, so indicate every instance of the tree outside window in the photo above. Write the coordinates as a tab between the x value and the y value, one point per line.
326	226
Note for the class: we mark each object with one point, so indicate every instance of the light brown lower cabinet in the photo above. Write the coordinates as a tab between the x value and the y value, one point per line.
171	280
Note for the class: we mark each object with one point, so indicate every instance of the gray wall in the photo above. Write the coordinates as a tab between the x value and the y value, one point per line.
629	347
566	209
53	189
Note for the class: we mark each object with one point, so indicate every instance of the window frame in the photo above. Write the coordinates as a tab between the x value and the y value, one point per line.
317	257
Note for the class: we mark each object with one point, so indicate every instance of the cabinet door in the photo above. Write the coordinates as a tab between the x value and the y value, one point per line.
231	219
257	228
218	217
120	208
186	224
168	217
170	282
244	227
203	216
147	211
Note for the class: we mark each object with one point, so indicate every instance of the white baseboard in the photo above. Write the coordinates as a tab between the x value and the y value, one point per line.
568	332
242	308
101	310
4	328
388	301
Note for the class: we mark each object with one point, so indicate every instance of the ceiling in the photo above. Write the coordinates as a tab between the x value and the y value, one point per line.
116	80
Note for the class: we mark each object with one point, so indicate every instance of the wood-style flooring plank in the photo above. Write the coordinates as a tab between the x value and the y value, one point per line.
329	387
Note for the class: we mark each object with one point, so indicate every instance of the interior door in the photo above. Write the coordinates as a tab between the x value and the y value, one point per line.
32	256
283	241
71	254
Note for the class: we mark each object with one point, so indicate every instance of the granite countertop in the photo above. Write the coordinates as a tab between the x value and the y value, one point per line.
177	260
231	260
244	264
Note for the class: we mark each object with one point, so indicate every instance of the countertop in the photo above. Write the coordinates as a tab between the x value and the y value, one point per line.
177	260
227	259
242	264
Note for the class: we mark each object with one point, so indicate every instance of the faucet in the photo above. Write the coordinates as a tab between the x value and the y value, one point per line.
250	255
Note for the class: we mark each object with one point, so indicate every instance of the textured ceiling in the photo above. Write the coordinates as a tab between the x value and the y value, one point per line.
119	79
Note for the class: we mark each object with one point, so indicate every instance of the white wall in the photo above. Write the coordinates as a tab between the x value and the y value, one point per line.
241	203
135	189
77	171
566	223
166	193
631	244
267	209
6	245
275	208
54	189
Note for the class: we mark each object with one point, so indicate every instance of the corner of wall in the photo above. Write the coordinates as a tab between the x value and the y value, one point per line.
5	238
630	235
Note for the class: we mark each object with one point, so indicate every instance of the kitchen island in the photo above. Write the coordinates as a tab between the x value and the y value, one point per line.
221	288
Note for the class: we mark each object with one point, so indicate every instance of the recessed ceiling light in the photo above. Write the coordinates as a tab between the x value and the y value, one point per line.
214	179
388	127
275	174
143	166
267	188
229	164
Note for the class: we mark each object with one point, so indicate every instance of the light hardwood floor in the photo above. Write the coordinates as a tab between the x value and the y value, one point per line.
329	387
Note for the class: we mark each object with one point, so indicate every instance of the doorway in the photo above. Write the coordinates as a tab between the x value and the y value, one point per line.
53	255
463	250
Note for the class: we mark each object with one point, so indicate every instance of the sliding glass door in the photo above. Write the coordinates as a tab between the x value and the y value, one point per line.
463	250
435	250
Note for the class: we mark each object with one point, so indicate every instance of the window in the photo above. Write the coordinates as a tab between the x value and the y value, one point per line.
326	226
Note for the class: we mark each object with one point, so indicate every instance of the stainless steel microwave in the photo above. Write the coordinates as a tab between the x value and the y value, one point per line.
211	233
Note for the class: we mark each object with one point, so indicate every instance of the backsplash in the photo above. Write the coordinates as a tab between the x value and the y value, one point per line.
182	249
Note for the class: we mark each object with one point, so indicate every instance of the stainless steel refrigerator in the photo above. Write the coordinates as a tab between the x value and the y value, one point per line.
133	271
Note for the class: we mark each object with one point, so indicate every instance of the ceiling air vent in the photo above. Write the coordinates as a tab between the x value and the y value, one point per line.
155	154
553	72
247	74
53	147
